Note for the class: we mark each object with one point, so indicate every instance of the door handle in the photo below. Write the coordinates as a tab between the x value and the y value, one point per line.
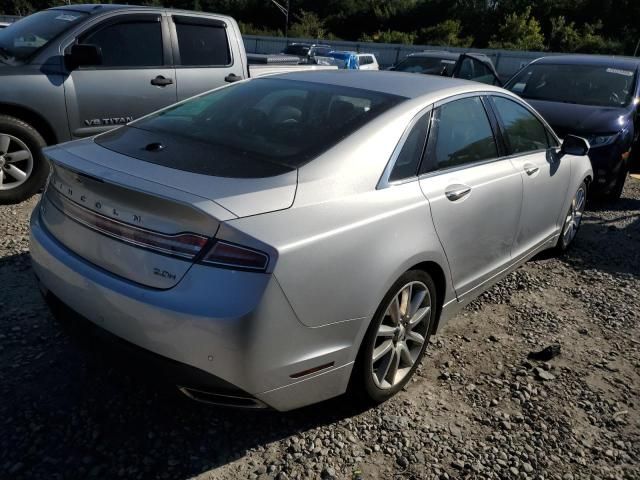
232	77
161	81
531	169
456	192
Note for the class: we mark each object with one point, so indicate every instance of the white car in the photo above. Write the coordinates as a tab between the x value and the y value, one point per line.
4	24
368	61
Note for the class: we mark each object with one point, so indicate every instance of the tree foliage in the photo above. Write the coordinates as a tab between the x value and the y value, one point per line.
590	26
519	32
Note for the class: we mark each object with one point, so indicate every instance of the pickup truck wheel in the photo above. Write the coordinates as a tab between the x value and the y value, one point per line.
23	168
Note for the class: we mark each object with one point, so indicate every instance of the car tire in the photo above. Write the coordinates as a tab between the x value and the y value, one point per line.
573	219
405	343
22	176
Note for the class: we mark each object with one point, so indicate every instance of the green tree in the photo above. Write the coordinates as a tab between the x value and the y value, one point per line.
308	25
519	32
447	33
390	36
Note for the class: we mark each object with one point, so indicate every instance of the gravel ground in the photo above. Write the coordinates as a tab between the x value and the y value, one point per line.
478	407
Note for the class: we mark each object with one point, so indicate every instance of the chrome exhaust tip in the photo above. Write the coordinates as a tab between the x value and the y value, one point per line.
236	401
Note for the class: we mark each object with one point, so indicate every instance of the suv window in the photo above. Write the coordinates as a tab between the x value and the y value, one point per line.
134	43
473	69
462	134
202	45
524	132
409	157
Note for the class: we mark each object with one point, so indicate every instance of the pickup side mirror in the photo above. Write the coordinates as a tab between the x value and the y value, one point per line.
573	145
84	55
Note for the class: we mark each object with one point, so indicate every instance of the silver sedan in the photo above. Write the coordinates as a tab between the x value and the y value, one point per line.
282	240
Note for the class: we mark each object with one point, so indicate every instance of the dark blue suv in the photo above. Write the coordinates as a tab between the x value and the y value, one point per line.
595	97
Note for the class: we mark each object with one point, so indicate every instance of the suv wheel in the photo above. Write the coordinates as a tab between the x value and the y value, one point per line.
397	337
23	168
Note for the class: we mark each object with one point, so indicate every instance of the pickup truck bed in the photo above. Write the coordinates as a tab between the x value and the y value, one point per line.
79	70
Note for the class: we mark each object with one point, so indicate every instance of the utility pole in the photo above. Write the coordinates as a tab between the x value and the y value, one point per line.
285	12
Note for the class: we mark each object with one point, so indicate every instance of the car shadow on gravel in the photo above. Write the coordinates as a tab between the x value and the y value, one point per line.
69	410
609	238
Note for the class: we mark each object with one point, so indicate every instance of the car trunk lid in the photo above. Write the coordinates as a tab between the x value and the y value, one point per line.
146	230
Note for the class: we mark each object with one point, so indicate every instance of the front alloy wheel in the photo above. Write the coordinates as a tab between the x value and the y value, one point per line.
574	217
16	162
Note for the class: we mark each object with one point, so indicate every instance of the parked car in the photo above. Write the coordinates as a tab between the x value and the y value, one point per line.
307	52
276	268
75	71
4	24
595	97
469	66
354	60
367	61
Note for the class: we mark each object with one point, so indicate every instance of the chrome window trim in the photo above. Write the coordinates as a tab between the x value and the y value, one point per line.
384	178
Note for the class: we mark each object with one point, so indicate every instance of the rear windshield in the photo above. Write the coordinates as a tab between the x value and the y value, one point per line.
596	85
284	123
26	36
428	65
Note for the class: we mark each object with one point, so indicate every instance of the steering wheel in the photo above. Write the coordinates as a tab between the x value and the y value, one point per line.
614	97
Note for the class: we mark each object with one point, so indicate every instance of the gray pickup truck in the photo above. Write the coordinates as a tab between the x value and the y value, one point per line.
76	71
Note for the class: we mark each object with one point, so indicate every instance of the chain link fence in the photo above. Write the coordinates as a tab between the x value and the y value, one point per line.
9	18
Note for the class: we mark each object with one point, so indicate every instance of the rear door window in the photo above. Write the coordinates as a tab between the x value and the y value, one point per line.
408	160
524	132
129	43
461	134
202	43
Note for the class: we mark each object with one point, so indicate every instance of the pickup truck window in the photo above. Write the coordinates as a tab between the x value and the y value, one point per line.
31	33
129	43
263	122
202	45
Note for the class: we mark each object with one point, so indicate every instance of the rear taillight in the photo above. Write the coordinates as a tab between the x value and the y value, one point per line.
183	245
230	255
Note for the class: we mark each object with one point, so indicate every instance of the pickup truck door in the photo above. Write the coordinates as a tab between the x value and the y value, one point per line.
206	53
134	78
478	69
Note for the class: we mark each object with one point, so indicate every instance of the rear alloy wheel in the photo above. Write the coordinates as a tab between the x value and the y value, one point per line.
573	219
397	337
23	168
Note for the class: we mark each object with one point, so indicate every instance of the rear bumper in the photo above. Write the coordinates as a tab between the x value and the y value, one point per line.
234	330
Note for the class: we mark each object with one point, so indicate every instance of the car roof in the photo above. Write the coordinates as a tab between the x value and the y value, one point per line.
404	84
436	54
109	7
596	60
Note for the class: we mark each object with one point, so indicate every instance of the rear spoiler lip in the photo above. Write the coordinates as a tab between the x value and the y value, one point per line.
82	166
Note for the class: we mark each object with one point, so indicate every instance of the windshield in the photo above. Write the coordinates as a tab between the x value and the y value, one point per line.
31	33
595	85
262	122
429	65
300	50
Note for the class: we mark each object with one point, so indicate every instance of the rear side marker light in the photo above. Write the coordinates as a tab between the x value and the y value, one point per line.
230	255
311	370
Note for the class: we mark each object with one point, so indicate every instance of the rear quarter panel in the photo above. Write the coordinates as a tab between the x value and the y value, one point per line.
337	260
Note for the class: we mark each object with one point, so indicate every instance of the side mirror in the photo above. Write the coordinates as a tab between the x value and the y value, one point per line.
84	55
573	145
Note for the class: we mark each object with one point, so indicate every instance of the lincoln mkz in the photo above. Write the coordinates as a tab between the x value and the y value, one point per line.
282	240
